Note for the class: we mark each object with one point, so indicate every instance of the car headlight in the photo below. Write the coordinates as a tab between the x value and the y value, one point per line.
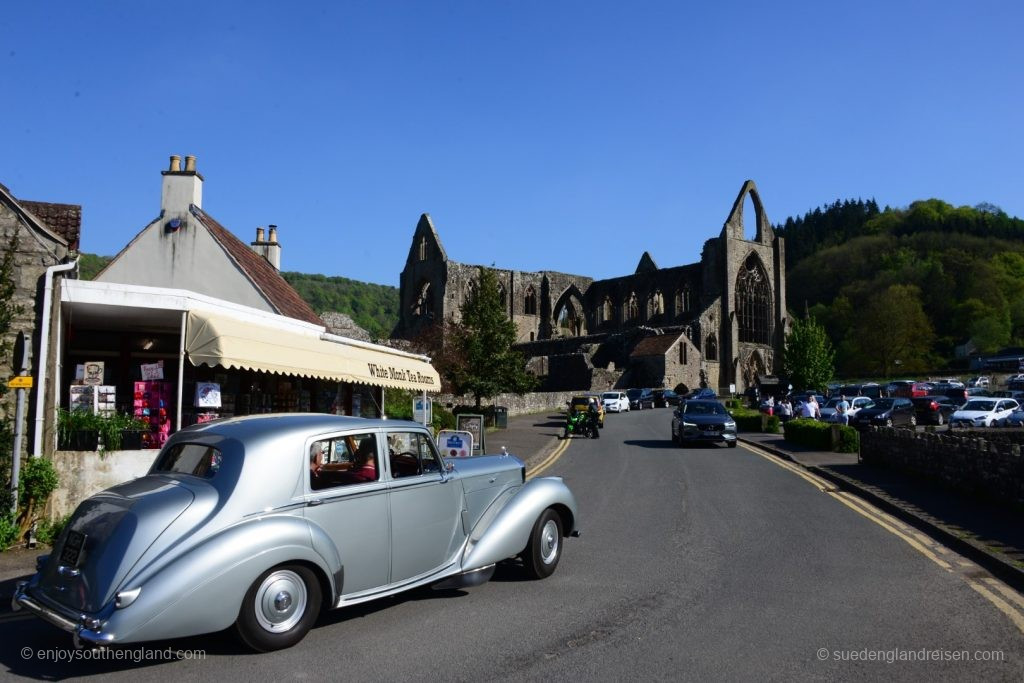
692	425
730	425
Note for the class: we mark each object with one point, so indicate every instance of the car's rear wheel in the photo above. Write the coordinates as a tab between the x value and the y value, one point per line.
545	547
913	420
939	420
279	608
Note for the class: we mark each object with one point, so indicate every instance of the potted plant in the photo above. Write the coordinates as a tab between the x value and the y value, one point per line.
77	430
125	433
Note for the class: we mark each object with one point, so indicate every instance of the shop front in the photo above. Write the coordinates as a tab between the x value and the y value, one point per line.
173	358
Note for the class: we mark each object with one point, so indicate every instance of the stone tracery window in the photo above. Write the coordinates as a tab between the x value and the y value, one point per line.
530	303
423	305
632	308
753	302
501	295
655	304
423	249
569	323
607	310
683	302
711	348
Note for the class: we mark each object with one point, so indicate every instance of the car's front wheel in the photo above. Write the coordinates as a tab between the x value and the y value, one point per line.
279	608
545	547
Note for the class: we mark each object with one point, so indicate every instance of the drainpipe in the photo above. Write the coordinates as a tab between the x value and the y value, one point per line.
44	344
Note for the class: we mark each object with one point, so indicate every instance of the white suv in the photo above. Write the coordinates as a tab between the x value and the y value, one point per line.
615	401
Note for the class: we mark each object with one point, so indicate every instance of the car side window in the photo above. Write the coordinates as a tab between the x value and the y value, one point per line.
412	454
343	461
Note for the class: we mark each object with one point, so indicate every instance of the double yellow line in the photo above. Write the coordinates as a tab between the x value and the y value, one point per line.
1005	599
551	459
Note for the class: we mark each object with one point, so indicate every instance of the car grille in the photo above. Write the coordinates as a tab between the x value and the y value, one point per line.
711	428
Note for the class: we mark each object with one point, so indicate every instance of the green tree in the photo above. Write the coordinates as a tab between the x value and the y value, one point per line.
483	340
893	327
809	360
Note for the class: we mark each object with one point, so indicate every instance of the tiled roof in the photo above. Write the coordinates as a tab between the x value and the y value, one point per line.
656	345
63	219
264	276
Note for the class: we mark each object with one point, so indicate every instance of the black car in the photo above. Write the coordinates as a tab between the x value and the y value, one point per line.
703	420
703	394
665	397
935	409
885	413
640	398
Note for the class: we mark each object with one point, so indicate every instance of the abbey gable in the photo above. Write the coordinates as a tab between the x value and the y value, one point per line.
719	323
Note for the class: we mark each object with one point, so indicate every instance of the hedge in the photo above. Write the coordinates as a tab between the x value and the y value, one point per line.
748	420
818	435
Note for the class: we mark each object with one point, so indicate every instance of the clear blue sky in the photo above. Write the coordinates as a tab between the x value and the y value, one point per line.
569	136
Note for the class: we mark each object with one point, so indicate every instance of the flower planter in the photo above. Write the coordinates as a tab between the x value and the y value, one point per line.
80	440
131	440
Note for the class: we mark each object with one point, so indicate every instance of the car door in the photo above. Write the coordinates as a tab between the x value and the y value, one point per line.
353	512
426	507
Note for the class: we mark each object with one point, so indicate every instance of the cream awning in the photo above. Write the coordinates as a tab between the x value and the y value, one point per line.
232	343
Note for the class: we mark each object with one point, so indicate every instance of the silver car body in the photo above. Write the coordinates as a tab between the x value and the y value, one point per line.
171	554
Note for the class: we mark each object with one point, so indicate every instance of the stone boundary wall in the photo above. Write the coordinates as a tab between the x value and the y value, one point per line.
84	473
526	404
989	465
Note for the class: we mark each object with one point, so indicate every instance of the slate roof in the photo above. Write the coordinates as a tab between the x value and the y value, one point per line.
656	345
281	295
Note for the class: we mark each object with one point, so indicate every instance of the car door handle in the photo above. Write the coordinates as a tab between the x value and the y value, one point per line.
315	501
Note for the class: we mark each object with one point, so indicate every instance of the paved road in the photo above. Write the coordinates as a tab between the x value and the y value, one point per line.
694	563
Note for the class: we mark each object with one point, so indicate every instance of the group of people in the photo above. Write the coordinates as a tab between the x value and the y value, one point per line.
808	407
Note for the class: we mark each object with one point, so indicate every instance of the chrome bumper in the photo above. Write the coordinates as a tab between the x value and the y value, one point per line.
81	634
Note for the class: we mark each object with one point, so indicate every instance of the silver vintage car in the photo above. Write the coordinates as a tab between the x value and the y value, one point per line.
258	521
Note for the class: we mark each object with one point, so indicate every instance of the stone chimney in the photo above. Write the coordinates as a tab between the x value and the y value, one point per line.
180	188
268	249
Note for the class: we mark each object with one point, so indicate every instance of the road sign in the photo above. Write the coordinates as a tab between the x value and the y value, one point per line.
20	382
420	406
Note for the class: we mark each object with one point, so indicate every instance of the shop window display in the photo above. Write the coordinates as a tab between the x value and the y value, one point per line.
151	405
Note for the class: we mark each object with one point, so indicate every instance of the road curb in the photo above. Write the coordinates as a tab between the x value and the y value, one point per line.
995	563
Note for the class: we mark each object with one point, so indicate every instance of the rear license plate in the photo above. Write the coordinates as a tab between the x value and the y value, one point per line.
71	553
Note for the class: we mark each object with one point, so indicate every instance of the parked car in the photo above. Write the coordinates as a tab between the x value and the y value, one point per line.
936	409
664	398
886	412
957	394
1014	419
983	412
615	401
980	381
701	394
911	389
703	420
640	398
256	522
1015	383
979	391
828	410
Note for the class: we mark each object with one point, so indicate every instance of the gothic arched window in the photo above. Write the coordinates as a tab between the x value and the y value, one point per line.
423	304
754	302
607	310
569	321
632	308
423	249
501	296
530	303
655	304
711	348
683	302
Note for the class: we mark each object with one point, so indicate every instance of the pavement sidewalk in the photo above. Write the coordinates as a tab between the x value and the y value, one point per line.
990	534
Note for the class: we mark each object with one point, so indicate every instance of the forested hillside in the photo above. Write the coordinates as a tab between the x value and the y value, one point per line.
900	288
372	307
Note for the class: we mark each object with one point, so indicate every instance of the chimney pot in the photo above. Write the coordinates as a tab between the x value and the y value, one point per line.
259	235
175	163
273	234
190	164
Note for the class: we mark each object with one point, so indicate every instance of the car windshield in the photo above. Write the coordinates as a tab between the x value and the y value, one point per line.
979	405
609	396
190	458
634	393
884	403
703	408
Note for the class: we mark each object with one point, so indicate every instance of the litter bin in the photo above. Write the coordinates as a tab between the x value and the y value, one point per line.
501	417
